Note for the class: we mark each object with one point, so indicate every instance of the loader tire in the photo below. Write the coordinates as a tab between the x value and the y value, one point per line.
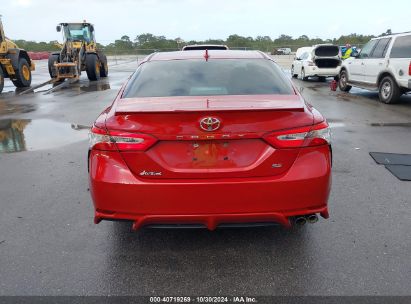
93	67
1	80
23	74
104	67
52	70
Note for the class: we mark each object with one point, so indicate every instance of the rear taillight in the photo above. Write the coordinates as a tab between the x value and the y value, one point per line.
122	141
99	140
316	135
409	69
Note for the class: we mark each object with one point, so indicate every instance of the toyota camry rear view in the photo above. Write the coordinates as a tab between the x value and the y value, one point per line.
210	139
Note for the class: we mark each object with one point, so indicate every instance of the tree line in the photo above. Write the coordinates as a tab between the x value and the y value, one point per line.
147	43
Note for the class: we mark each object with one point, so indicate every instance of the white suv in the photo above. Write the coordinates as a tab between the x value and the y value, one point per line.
384	64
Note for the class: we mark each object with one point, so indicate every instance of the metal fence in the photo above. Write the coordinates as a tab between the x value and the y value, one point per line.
117	56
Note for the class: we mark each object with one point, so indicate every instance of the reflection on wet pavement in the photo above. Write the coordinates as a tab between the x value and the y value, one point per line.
77	88
95	86
29	135
9	108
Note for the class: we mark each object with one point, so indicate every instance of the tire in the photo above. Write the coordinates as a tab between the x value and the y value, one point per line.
23	74
104	67
303	77
1	80
388	90
52	70
293	75
93	67
342	82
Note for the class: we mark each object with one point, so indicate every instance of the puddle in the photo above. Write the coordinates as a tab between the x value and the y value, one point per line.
18	135
356	93
360	91
336	124
95	86
83	86
391	124
9	108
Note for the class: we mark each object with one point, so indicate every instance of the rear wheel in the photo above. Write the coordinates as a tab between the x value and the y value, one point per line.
293	75
93	67
23	74
388	91
303	77
343	82
1	80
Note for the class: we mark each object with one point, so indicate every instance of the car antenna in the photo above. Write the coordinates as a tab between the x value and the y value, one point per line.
206	56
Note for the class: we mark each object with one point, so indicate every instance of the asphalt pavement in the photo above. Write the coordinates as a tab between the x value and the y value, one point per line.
50	246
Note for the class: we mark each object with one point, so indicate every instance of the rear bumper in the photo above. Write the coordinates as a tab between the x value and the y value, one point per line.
316	71
209	221
404	83
119	195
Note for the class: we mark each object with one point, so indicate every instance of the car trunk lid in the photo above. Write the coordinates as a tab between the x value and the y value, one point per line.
326	51
186	150
326	56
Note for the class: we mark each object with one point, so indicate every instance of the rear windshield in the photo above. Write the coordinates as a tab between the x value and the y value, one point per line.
401	47
206	78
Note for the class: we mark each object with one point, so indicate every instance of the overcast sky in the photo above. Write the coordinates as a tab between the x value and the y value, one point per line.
203	19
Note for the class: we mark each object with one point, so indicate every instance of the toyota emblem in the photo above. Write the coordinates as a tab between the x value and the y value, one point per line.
210	124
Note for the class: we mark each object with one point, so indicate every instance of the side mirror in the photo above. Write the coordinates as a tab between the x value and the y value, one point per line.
91	28
58	28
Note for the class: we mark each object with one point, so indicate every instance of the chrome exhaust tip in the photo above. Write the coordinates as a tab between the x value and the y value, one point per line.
312	218
300	221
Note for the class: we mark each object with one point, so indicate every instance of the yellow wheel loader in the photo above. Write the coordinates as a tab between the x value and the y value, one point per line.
15	63
78	53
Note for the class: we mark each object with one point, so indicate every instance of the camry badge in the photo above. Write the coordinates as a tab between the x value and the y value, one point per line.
150	173
210	124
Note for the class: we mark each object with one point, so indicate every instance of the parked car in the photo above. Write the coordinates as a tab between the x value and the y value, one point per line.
384	64
318	61
196	47
209	142
281	51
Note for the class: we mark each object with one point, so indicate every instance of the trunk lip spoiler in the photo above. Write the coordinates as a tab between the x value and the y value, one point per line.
186	104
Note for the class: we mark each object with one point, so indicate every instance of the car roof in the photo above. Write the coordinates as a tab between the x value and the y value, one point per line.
75	23
393	35
213	54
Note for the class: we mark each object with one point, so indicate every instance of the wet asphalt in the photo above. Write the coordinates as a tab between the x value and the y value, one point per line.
50	246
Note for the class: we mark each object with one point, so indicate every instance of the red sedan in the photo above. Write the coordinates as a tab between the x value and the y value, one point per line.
210	139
